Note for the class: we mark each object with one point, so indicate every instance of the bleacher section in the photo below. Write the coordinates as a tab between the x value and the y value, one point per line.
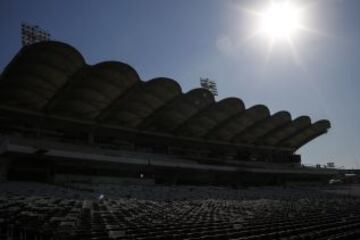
39	211
58	160
58	114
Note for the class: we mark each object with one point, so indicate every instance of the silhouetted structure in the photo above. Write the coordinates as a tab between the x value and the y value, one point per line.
105	137
210	85
31	34
60	116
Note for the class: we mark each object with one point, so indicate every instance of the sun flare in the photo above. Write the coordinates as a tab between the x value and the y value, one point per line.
282	24
280	20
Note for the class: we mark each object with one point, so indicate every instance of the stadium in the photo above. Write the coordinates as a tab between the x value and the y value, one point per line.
95	152
179	120
62	119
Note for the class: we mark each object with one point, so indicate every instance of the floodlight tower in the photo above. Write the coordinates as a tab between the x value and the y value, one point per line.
32	34
209	85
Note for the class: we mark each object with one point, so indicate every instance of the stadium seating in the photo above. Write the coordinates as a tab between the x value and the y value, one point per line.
41	211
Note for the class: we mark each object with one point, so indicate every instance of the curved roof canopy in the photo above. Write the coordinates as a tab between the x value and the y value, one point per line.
177	111
286	131
306	135
207	119
36	74
92	89
232	126
257	131
142	100
53	78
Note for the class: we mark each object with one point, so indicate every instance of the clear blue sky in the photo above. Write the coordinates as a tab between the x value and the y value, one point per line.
189	39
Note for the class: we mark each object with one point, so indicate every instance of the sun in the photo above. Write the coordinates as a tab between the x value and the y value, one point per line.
280	20
283	23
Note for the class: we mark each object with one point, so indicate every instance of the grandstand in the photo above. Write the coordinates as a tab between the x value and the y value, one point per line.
94	152
63	120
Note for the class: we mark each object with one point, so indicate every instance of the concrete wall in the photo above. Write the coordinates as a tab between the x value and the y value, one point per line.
70	178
